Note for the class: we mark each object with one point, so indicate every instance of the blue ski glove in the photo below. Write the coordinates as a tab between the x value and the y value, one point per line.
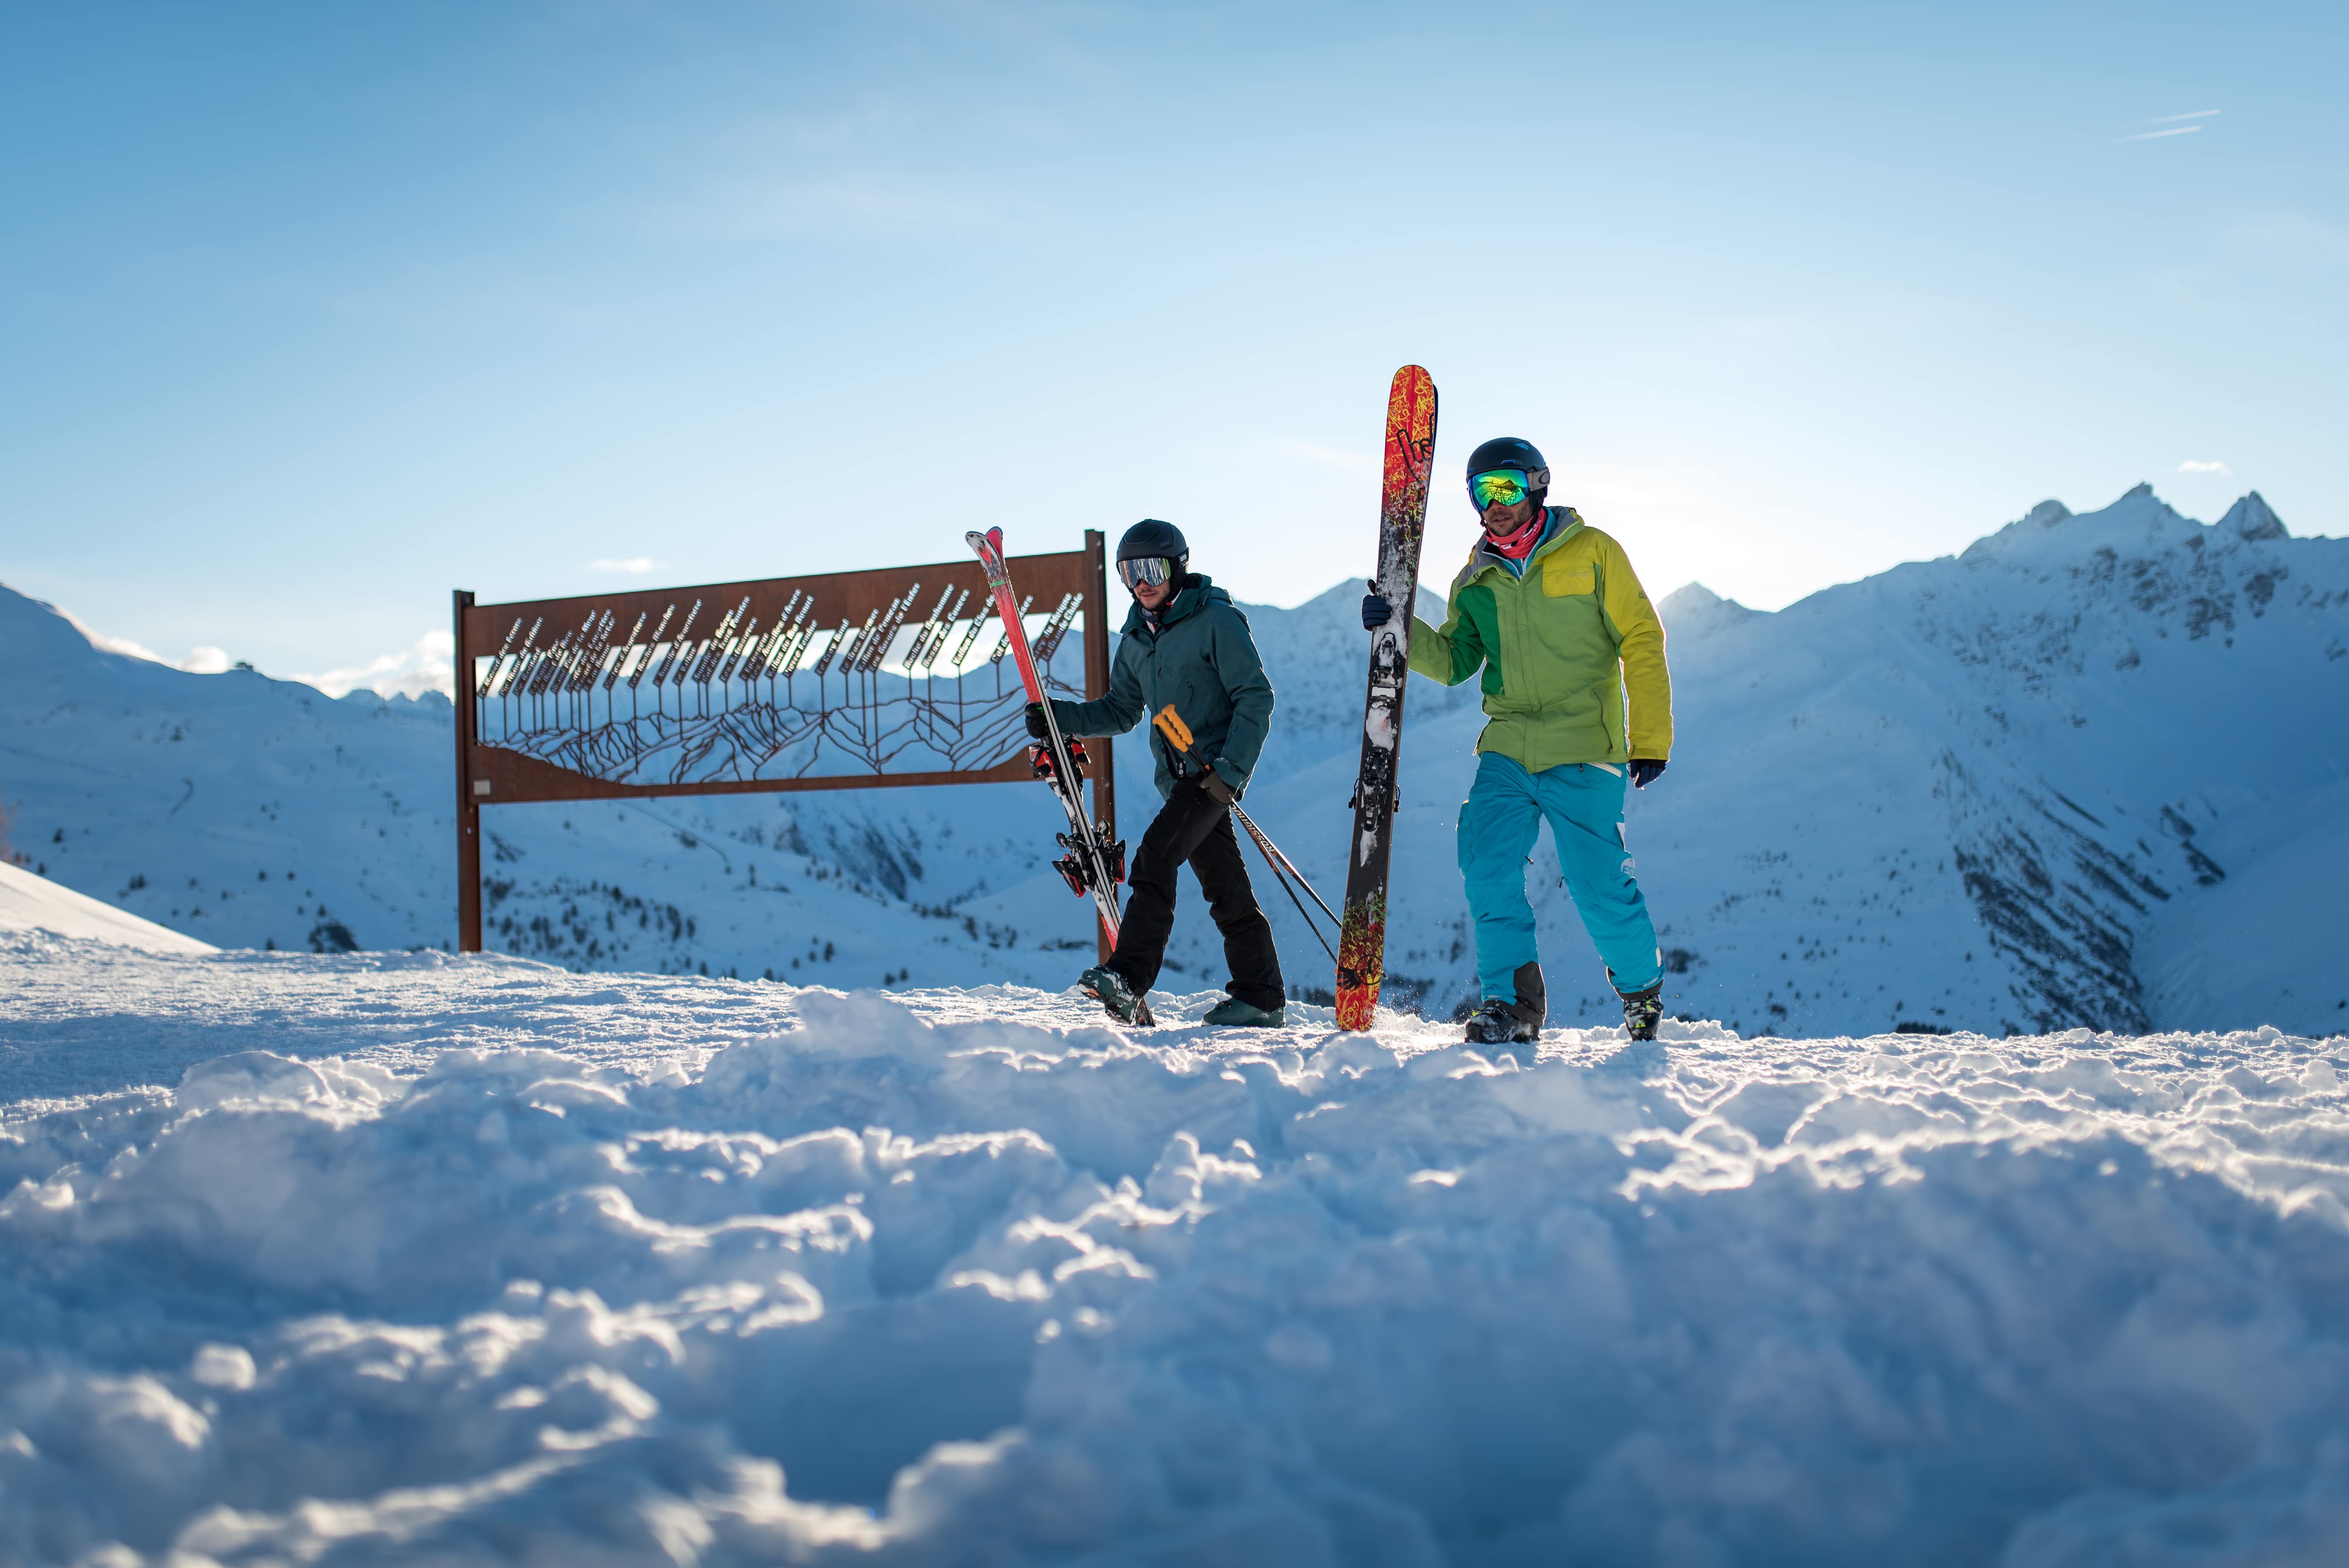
1376	611
1036	722
1646	770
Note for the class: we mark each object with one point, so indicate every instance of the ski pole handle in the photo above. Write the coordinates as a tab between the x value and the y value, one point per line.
1170	724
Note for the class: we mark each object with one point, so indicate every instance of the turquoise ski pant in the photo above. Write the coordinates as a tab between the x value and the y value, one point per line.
1499	823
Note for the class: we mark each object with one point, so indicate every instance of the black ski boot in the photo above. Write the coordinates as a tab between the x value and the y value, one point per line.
1642	1010
1499	1022
1110	989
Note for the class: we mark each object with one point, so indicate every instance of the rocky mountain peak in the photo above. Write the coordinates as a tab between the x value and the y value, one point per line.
2252	518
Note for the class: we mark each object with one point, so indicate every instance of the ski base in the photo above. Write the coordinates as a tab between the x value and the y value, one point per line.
1403	516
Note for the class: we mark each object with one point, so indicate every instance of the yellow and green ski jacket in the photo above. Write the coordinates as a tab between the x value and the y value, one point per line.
1559	641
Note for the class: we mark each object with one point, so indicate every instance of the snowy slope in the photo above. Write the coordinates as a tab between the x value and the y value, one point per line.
2089	772
2028	755
1875	812
397	1258
30	902
252	812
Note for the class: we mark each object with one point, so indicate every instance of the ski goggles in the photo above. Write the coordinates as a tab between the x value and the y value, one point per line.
1145	569
1502	487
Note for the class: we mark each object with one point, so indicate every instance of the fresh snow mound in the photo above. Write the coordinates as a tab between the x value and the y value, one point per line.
374	1258
30	903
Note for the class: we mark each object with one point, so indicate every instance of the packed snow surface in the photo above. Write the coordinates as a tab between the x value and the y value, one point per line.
402	1258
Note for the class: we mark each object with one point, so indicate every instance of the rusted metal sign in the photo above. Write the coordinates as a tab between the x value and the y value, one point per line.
849	680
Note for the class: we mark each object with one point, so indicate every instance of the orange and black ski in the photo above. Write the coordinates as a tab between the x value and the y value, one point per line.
1402	518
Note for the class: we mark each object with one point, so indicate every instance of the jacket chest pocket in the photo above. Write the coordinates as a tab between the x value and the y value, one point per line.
1560	578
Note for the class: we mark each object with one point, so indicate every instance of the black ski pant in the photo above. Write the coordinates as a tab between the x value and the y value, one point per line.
1192	830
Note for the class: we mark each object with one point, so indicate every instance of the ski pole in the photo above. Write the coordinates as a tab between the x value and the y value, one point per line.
1178	735
1264	845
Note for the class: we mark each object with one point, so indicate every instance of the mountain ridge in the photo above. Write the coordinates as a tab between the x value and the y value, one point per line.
2005	788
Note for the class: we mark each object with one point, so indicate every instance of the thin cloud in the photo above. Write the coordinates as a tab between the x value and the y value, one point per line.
200	660
637	564
2191	465
2171	120
428	664
123	646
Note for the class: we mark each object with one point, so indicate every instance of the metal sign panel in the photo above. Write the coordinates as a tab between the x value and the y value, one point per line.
847	680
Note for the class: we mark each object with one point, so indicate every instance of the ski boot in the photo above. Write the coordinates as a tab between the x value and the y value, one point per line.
1642	1010
1110	988
1231	1013
1500	1022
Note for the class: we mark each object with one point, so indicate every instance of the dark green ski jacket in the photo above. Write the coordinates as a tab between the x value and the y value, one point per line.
1202	658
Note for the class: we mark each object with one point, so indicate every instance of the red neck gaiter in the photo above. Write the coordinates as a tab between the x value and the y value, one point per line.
1516	546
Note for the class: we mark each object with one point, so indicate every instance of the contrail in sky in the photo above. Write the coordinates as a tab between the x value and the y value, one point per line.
2170	120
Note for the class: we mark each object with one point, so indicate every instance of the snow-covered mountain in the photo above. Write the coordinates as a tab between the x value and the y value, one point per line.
2098	761
2090	771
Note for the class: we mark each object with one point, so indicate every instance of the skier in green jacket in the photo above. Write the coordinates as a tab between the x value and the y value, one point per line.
1185	646
1550	612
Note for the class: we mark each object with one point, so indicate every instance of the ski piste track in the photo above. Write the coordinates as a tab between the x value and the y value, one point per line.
403	1258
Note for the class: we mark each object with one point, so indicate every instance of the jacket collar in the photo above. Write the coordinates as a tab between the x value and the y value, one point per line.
1195	592
1564	523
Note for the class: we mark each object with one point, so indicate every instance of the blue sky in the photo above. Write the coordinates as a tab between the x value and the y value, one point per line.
310	314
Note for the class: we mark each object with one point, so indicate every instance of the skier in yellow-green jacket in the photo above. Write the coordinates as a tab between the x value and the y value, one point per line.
1578	705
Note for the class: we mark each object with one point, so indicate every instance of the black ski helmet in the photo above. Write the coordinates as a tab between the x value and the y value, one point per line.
1151	537
1513	452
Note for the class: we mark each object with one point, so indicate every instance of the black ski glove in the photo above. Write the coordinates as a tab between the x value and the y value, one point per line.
1036	722
1646	770
1376	611
1221	793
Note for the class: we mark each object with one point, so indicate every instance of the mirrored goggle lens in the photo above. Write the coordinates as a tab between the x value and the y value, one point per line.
1145	569
1501	487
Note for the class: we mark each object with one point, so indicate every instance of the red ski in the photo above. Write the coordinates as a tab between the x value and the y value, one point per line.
1402	518
1093	864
